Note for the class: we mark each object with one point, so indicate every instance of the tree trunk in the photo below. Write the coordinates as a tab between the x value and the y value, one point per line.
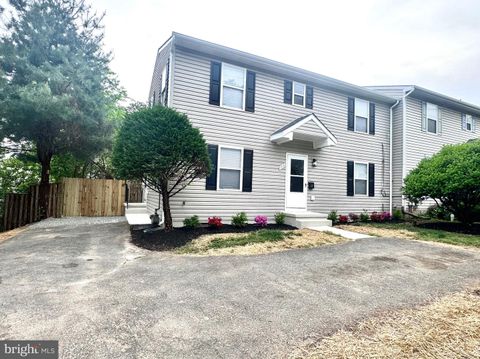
45	160
45	163
167	215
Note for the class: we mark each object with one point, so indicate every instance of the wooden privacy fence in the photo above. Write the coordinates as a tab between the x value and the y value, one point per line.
93	197
23	208
134	191
71	197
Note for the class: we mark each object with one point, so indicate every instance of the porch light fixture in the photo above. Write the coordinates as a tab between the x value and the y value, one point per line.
314	163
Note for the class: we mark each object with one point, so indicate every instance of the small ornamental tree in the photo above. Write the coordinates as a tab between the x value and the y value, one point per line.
159	146
452	178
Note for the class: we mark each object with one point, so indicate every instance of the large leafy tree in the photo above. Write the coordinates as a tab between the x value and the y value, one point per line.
159	146
55	82
452	178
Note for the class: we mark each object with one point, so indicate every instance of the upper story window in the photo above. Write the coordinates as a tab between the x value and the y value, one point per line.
163	85
230	168
299	94
361	178
468	123
233	86
432	118
361	115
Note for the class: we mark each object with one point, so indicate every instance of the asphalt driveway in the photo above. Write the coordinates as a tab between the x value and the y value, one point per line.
101	297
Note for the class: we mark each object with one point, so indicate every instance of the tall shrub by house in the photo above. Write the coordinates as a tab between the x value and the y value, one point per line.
452	178
159	146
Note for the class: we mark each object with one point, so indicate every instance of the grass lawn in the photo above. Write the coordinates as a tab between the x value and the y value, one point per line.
446	328
409	231
261	241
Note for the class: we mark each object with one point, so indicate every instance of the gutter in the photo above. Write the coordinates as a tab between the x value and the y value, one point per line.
390	159
406	93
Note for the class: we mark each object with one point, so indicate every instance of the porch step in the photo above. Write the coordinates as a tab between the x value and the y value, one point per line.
136	208
137	214
307	219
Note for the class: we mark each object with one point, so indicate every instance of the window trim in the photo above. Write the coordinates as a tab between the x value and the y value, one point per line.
244	90
467	116
219	168
433	119
355	178
304	94
355	117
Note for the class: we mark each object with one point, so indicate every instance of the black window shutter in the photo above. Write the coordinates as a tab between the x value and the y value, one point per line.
371	179
372	119
247	170
309	100
211	181
287	91
250	99
351	114
349	178
215	82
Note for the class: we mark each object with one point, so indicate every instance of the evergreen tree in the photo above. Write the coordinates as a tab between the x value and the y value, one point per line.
55	82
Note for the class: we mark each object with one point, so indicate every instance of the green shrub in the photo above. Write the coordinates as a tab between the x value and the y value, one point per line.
364	216
280	218
239	220
397	214
333	216
437	212
451	176
191	222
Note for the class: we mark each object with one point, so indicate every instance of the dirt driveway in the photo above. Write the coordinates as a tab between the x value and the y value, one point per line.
85	285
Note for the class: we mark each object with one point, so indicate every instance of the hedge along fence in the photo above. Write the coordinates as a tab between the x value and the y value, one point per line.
71	197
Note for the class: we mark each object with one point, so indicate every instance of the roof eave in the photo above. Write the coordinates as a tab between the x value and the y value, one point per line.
261	63
445	101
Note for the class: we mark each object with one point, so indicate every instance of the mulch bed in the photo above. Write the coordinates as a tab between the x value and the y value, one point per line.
161	240
455	227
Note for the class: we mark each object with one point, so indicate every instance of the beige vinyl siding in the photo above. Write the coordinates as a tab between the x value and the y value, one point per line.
160	62
424	144
252	131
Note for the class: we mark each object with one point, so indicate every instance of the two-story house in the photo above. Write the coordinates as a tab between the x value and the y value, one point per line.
423	122
283	139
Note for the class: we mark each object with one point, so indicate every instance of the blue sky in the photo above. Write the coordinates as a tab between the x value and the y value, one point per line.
431	43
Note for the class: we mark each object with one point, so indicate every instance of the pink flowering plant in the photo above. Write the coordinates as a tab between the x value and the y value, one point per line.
380	216
262	221
215	222
343	219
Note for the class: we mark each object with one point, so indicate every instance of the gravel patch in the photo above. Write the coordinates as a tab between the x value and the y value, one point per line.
75	221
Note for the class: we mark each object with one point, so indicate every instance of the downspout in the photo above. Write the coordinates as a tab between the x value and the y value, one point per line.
390	160
406	93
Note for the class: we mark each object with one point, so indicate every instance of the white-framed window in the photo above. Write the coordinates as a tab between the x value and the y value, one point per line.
163	85
432	118
299	90
233	86
362	112
230	168
469	122
360	178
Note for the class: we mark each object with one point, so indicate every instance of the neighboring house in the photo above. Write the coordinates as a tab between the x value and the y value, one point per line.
423	122
283	139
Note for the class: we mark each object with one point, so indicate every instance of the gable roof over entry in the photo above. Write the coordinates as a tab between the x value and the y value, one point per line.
306	128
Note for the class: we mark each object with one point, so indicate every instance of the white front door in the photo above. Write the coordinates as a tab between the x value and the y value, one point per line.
296	182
